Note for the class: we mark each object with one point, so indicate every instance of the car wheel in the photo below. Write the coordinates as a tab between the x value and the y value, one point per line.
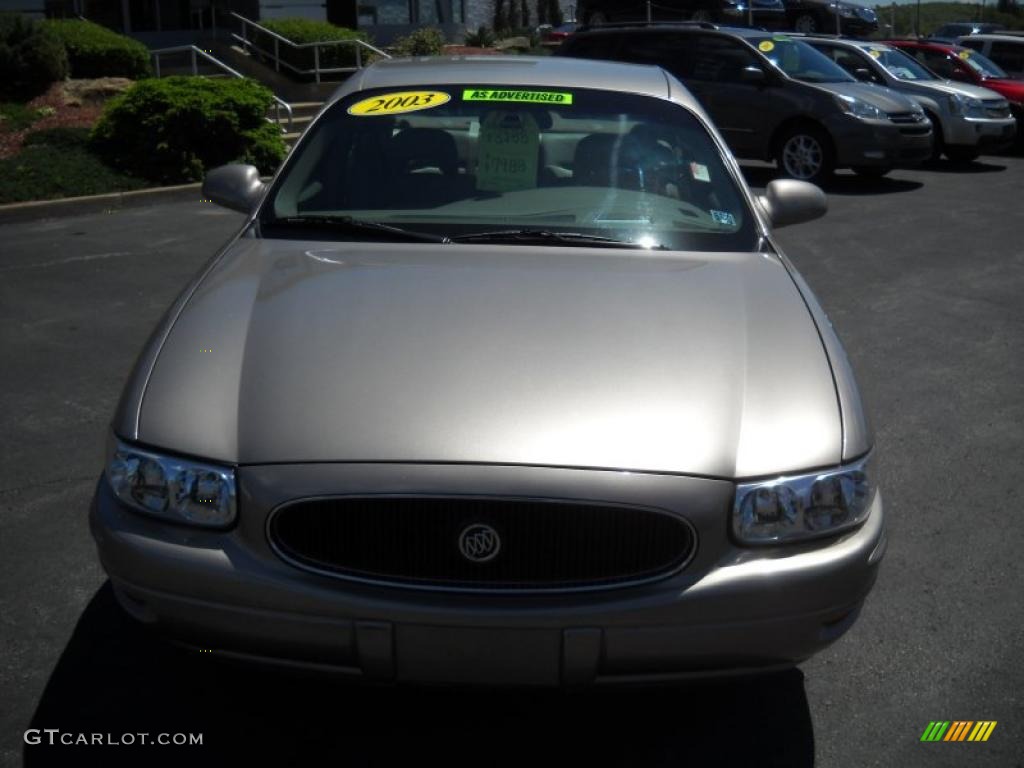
962	154
871	171
805	152
805	23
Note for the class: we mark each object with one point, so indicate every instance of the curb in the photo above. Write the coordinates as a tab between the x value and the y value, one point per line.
77	206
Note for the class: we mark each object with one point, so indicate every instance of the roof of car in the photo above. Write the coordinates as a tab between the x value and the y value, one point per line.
997	37
533	71
924	43
679	26
848	41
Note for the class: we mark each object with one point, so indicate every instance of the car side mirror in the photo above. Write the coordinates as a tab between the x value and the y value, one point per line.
753	75
234	186
788	201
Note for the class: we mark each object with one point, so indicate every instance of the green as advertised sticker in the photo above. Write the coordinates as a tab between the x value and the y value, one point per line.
533	97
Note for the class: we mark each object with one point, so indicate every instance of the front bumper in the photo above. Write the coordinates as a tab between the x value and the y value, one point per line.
733	609
985	134
880	142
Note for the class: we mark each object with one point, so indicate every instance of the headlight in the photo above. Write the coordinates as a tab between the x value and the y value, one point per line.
968	106
179	490
803	506
859	108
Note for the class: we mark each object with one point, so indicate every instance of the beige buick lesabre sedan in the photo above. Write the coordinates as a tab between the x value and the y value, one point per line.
509	383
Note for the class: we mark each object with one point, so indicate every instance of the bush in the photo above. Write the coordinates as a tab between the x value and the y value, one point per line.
31	58
482	38
173	130
95	51
426	41
308	31
58	163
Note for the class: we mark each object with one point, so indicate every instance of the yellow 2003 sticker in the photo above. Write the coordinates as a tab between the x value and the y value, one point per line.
766	46
874	53
964	54
397	103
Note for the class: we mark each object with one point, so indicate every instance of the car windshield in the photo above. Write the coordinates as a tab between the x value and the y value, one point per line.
981	65
898	64
799	60
557	166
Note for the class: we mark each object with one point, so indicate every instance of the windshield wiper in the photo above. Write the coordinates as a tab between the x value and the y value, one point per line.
350	224
545	237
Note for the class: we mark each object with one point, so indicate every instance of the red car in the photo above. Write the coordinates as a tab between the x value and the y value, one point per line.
955	62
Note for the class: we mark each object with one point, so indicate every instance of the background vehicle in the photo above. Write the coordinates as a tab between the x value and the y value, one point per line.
770	14
1005	50
774	97
556	35
965	65
966	119
820	16
947	33
513	386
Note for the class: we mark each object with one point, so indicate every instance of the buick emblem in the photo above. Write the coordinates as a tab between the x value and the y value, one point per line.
479	543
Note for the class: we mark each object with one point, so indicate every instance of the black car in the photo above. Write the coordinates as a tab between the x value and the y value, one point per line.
769	14
773	97
811	16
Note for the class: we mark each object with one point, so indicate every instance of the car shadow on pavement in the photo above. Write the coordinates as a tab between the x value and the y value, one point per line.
841	183
115	678
944	165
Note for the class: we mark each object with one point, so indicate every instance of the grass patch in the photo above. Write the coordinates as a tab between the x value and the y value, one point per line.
58	163
18	117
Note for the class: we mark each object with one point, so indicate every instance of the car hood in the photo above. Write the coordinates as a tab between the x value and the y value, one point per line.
1011	89
886	99
953	87
292	351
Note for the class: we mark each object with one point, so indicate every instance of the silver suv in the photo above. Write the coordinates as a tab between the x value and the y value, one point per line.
968	119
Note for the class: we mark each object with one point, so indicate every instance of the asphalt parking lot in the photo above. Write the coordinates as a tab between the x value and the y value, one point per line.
923	275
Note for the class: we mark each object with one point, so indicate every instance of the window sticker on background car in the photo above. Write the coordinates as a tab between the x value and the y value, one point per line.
766	46
396	103
874	53
700	172
508	148
964	55
723	217
782	39
546	97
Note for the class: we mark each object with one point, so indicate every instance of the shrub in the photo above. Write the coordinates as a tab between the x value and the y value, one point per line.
426	41
172	130
308	31
482	38
31	58
95	51
58	163
62	137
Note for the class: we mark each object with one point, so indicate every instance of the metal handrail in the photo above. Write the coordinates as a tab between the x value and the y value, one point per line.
317	70
195	53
